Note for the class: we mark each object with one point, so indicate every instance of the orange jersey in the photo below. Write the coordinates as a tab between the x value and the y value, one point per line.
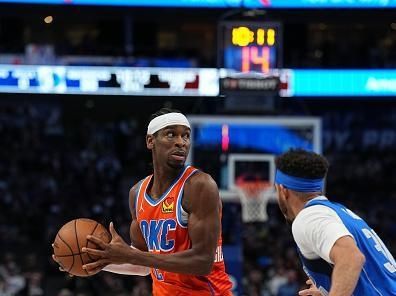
163	223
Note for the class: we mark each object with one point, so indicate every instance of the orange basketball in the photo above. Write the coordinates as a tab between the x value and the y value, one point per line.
71	238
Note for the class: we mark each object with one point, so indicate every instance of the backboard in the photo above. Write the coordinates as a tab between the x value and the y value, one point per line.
224	145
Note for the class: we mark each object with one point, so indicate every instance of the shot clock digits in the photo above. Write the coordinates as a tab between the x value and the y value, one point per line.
251	46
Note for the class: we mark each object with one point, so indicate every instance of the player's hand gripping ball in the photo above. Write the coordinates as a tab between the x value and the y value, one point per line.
69	241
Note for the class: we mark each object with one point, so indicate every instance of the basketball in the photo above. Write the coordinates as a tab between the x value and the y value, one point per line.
71	238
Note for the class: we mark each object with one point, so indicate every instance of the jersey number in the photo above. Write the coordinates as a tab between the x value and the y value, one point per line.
390	265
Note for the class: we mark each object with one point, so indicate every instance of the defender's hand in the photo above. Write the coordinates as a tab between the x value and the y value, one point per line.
311	291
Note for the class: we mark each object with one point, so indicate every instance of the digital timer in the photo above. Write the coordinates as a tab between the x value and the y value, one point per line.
250	47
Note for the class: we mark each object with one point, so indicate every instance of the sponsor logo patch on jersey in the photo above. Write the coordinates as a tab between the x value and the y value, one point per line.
168	205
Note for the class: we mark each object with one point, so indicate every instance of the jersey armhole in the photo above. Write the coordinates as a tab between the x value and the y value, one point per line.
136	197
180	210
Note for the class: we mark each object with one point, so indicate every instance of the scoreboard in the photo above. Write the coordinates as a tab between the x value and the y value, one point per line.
250	46
250	55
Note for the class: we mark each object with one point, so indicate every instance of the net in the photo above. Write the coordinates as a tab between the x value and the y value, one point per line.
254	197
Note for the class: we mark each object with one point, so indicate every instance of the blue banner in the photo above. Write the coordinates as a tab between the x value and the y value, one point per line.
337	83
224	3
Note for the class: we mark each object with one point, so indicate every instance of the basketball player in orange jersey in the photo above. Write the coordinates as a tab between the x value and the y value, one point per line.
176	220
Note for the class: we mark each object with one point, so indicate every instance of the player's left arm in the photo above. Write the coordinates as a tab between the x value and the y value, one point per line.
202	202
348	263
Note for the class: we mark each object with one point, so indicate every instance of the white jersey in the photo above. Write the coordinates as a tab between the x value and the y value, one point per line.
316	229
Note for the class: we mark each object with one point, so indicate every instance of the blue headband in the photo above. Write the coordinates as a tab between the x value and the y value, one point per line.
299	184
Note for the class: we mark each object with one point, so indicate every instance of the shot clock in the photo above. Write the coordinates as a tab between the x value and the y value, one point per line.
250	46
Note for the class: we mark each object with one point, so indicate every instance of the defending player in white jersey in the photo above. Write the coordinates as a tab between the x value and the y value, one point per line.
341	254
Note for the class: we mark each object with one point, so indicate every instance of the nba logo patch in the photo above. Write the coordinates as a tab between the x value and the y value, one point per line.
168	205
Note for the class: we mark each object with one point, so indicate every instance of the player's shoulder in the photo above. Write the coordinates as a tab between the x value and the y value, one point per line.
133	192
202	189
135	188
314	212
201	179
312	216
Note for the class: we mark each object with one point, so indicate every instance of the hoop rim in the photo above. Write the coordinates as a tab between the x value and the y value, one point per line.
253	189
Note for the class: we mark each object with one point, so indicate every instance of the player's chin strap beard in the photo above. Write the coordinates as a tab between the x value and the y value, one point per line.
289	221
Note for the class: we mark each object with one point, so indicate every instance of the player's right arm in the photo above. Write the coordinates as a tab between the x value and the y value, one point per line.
348	263
137	242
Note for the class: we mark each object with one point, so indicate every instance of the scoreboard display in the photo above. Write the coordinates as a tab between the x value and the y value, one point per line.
250	46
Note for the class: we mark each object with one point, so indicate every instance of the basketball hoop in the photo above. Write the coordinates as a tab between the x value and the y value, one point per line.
254	196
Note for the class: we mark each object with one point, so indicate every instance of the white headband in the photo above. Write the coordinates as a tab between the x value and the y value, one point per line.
165	120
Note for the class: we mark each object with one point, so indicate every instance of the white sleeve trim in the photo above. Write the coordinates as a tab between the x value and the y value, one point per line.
316	229
127	268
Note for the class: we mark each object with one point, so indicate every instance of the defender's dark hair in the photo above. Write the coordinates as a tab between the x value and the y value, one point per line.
163	111
303	164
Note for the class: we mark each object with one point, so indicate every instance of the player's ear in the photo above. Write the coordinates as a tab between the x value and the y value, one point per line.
150	142
284	191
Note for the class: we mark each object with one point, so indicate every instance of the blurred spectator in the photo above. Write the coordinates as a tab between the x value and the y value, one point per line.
291	287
